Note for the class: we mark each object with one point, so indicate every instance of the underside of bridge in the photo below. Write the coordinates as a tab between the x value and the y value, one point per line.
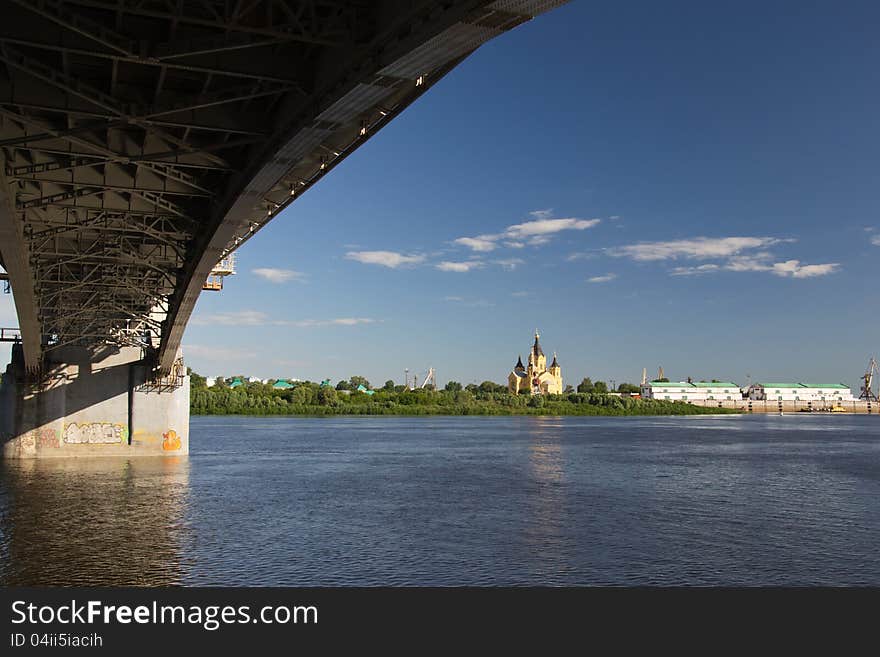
141	141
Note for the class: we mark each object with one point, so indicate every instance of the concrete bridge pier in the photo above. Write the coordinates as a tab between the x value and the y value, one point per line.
93	403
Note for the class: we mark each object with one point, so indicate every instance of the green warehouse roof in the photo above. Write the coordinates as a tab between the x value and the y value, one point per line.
671	384
715	384
281	384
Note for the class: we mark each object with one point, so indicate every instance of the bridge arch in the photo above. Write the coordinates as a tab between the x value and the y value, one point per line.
141	144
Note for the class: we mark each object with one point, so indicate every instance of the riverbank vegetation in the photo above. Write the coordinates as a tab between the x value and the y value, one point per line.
488	398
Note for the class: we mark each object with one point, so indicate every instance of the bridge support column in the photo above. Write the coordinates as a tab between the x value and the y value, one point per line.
92	405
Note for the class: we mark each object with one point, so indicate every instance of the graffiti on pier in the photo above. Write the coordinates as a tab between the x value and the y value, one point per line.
171	442
47	438
95	433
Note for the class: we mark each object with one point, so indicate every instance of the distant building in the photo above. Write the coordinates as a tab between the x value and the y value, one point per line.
689	391
236	382
281	384
811	392
362	388
536	378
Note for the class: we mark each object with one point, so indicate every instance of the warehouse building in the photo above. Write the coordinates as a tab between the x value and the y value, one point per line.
688	391
806	392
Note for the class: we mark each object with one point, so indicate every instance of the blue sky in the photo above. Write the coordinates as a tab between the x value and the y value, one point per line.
683	185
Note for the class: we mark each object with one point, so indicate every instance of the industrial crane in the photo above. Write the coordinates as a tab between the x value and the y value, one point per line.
867	392
430	378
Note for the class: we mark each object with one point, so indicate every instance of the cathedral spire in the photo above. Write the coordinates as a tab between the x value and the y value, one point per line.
536	349
519	365
554	363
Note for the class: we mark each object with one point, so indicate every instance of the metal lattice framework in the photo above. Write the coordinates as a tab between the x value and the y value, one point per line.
141	141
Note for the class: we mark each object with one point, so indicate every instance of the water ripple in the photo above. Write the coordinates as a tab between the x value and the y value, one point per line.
460	501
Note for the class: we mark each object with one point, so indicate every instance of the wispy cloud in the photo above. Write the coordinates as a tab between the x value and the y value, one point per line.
222	354
479	243
510	263
875	240
459	267
535	232
521	293
232	318
311	323
581	255
695	271
760	261
257	318
736	254
548	227
391	259
795	269
471	303
789	268
602	279
274	275
698	248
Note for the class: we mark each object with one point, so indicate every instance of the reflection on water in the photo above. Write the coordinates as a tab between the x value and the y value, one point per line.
548	505
93	521
759	500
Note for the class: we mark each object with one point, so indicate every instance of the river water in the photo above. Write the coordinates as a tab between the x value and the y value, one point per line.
728	500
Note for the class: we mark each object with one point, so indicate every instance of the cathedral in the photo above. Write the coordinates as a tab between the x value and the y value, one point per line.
536	378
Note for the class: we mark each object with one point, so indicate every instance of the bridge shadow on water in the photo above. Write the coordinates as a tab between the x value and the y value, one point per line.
93	522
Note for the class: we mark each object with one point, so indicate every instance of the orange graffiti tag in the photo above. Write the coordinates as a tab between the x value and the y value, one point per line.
171	442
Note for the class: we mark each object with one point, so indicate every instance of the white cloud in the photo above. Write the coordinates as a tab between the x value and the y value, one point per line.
602	279
795	269
510	263
548	227
274	275
312	323
520	293
535	232
257	318
791	268
698	248
233	318
459	266
875	240
479	243
390	259
737	254
694	271
754	262
453	299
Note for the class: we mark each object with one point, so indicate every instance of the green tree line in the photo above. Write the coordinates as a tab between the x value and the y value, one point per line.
487	398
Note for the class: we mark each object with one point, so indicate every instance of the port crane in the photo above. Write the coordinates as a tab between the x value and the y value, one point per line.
867	392
430	378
